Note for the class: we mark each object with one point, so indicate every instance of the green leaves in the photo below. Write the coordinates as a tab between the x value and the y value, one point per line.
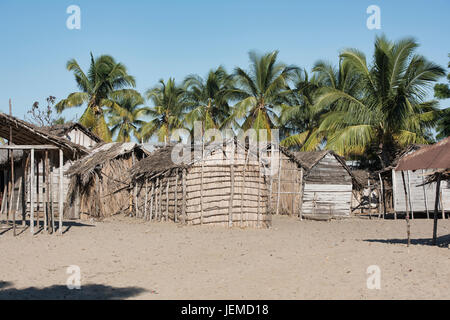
98	89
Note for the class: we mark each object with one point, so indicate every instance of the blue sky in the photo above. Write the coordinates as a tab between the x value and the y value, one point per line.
161	39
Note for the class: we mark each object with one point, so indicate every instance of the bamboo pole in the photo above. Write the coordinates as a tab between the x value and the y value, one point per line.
258	217
408	228
38	207
436	203
280	162
201	183
32	192
184	217
167	199
230	206
176	197
61	190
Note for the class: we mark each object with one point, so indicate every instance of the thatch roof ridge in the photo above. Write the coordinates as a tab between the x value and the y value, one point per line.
160	161
99	156
61	130
26	133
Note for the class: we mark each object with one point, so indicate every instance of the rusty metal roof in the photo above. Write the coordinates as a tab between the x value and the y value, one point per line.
436	156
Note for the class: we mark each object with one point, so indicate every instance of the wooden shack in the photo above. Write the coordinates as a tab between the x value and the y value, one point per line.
223	185
75	133
421	194
316	183
35	185
99	182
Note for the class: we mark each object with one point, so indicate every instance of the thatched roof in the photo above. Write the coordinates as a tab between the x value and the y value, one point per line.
85	167
161	161
24	133
308	159
436	156
61	130
362	176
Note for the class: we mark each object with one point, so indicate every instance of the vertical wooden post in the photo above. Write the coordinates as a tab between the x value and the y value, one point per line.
201	181
146	199
47	191
160	200
370	198
32	192
230	204
442	206
151	201
61	190
280	163
167	198
258	213
408	228
51	200
382	199
436	203
157	187
409	192
184	217
394	193
300	200
425	195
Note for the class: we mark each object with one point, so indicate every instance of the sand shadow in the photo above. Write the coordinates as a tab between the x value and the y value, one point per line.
61	292
442	241
67	225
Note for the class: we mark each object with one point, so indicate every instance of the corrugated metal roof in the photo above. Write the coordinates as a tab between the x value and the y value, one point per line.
436	156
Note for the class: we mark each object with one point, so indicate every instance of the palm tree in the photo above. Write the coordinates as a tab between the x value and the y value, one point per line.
125	119
207	99
104	77
261	91
168	112
384	108
299	120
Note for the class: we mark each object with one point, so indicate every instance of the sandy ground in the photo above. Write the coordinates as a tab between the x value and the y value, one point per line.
127	259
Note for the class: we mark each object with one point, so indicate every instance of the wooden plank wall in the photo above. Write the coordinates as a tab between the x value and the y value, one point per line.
328	189
418	193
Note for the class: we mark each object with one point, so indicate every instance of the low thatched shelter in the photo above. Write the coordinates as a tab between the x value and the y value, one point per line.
222	184
99	182
35	184
317	183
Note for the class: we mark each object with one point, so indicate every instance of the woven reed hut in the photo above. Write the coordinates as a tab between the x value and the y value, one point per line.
223	185
308	184
35	185
99	182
